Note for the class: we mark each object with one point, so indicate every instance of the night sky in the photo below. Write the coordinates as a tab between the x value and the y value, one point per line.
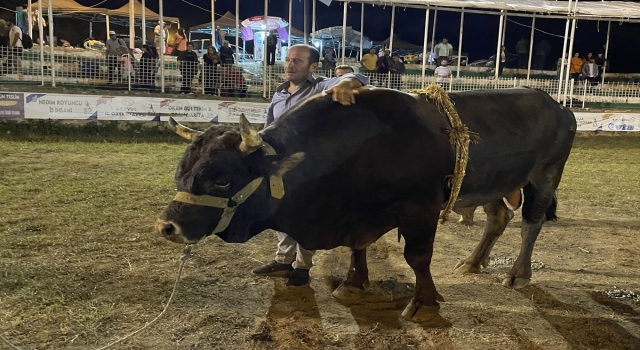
480	31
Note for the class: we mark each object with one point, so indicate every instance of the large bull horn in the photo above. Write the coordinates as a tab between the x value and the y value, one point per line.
184	131
251	140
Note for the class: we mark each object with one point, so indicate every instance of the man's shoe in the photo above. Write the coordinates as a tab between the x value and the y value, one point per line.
299	277
273	268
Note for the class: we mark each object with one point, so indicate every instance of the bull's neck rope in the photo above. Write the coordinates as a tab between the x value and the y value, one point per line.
229	205
459	136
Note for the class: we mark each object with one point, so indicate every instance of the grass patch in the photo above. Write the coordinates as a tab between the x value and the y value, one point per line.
80	263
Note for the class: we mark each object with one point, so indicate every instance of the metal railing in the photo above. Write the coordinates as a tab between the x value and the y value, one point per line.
90	69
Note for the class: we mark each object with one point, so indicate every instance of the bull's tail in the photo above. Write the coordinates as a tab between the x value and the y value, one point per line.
550	214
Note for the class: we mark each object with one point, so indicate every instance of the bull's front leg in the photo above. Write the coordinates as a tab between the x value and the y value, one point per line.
357	277
419	234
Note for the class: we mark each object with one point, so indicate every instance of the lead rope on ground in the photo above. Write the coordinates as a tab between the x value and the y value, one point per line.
459	136
186	253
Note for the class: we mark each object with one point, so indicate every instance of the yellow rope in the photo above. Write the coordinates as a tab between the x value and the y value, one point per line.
459	136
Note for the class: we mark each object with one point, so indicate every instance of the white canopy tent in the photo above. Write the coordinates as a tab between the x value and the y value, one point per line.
571	11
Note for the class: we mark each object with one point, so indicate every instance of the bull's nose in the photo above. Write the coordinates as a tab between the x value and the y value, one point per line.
166	228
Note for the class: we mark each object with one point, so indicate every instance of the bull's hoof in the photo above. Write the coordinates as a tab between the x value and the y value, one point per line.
347	292
464	267
465	221
515	282
427	316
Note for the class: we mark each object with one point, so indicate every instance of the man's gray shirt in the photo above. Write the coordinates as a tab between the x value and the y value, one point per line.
282	100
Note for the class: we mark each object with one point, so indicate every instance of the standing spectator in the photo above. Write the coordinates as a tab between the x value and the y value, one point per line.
342	70
329	61
272	45
443	50
541	50
226	53
4	36
382	68
590	72
219	38
587	58
179	42
160	44
15	43
148	67
114	49
369	62
522	49
576	66
211	75
397	69
234	81
442	74
602	63
188	61
503	60
22	18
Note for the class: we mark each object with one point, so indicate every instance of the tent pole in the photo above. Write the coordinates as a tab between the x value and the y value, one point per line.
237	31
424	46
606	51
460	43
562	58
132	25
41	35
107	23
499	43
313	23
361	31
162	41
344	29
29	19
504	29
290	25
393	21
213	24
533	26
90	29
433	31
564	52
264	51
51	43
305	15
144	23
569	55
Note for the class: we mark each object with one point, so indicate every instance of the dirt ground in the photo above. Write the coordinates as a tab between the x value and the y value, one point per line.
80	266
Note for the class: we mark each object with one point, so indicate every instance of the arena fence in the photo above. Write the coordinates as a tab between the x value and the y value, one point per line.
92	70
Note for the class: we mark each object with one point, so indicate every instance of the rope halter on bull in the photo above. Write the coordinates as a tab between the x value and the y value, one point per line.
459	136
251	141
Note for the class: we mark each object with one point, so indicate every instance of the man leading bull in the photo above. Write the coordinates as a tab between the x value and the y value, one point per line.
292	260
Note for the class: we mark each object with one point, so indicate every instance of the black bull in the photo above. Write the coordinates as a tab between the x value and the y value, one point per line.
352	173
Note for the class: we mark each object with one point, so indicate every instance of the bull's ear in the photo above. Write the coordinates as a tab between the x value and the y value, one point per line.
288	163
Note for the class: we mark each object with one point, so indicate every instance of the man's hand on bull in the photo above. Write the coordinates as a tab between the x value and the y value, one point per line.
343	92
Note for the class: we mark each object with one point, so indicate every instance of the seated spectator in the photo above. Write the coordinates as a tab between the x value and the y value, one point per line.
329	61
576	66
443	73
234	83
188	61
226	53
211	72
342	70
148	68
397	69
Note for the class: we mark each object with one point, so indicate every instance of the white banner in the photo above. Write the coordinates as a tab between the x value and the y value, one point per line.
607	121
96	107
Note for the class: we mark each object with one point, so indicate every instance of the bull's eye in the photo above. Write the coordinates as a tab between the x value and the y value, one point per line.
223	184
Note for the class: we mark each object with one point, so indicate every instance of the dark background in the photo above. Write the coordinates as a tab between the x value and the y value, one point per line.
480	31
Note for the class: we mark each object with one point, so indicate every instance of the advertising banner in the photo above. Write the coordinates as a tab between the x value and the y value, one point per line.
96	107
11	105
607	121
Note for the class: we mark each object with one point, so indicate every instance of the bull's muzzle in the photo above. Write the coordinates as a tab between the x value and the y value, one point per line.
172	232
